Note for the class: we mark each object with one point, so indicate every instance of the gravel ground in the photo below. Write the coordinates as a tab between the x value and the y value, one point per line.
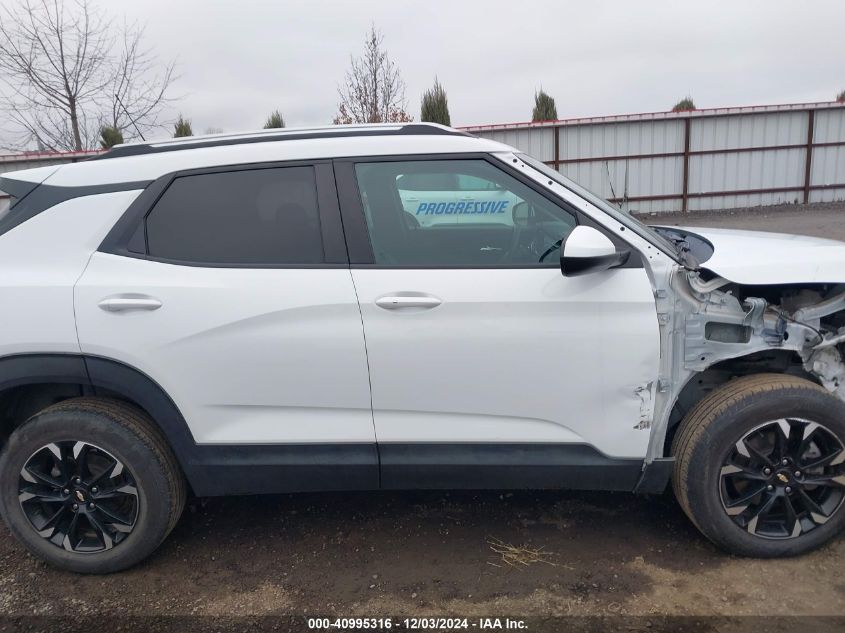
424	553
821	220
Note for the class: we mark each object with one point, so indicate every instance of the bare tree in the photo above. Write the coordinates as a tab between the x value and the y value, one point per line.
66	72
373	91
138	88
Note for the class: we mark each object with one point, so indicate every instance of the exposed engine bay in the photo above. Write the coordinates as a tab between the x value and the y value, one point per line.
715	330
728	320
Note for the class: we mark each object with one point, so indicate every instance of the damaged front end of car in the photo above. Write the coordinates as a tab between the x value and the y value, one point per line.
743	303
725	320
714	330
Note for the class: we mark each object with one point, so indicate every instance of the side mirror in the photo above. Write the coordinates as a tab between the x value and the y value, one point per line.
587	250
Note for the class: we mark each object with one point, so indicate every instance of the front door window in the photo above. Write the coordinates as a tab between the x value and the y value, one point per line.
457	213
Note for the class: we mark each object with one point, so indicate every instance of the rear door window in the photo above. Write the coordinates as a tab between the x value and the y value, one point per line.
263	217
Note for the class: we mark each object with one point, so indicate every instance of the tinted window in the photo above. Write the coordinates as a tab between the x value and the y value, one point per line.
474	183
476	215
426	182
262	216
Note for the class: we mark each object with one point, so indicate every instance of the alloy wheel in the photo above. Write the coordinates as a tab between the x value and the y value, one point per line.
78	496
783	478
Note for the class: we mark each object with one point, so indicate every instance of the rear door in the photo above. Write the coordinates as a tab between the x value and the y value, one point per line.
231	289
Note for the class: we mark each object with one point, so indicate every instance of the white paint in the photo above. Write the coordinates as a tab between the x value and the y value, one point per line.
249	356
511	355
755	257
151	166
585	241
40	260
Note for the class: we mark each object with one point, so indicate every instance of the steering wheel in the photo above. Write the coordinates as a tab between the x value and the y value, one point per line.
550	249
516	238
519	226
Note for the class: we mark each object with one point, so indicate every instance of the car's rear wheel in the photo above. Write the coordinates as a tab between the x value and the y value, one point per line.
89	485
760	465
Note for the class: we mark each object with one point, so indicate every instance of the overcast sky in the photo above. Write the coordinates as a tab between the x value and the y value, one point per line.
240	59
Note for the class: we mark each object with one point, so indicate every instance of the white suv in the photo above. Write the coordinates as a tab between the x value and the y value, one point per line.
272	312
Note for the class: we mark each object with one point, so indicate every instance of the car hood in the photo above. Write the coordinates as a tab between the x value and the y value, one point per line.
756	257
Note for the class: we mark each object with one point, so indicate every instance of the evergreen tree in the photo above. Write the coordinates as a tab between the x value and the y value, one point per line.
182	128
435	105
274	120
684	105
544	107
110	136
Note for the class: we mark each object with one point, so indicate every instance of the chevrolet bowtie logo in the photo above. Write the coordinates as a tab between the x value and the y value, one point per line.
783	478
79	496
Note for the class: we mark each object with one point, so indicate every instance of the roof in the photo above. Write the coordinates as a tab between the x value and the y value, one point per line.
278	134
658	116
139	162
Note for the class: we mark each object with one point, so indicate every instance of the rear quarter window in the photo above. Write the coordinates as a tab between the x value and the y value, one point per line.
11	193
27	199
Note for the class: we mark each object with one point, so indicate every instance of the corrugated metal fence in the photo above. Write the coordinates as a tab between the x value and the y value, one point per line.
703	159
670	161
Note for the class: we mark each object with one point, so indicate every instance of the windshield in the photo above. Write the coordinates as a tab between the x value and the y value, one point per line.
626	219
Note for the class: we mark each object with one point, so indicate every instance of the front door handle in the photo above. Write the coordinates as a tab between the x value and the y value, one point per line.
397	302
124	303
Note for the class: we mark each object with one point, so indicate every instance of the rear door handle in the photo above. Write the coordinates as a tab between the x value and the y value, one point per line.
396	302
124	303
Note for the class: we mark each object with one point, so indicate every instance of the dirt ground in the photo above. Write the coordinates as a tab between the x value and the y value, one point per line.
369	554
820	220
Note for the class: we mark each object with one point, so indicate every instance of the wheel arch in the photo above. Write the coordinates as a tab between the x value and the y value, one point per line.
701	383
30	382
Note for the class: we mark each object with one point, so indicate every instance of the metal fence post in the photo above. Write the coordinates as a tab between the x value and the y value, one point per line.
685	191
557	148
808	163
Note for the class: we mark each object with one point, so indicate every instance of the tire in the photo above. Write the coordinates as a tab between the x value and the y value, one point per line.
713	476
136	504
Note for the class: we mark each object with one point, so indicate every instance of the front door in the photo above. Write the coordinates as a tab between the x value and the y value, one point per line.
487	366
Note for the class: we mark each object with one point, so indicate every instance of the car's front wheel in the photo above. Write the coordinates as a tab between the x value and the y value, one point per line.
760	465
89	485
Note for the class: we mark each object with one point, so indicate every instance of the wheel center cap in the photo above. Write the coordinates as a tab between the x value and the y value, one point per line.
80	496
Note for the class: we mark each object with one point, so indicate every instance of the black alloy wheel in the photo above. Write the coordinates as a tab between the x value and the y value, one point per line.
78	496
783	478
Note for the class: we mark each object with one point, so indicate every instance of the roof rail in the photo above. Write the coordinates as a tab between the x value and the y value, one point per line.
268	136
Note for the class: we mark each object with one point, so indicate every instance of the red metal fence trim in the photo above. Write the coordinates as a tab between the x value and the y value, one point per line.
694	152
656	116
717	194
